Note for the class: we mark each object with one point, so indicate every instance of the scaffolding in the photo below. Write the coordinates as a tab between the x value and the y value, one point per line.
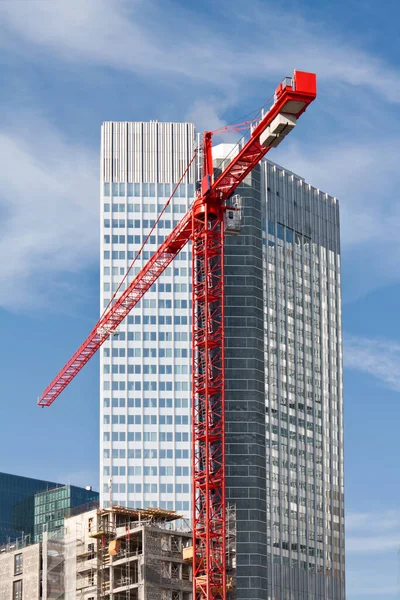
137	554
53	566
86	565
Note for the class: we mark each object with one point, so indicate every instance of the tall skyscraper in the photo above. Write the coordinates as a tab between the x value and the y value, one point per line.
284	413
145	369
304	409
284	389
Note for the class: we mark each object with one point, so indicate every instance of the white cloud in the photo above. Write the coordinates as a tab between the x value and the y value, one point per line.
49	208
219	66
166	38
373	543
205	114
372	521
373	532
379	358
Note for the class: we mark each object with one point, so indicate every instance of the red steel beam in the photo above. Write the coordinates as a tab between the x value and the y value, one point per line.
208	406
292	99
122	307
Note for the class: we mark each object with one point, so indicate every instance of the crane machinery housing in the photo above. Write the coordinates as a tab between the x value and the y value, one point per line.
212	215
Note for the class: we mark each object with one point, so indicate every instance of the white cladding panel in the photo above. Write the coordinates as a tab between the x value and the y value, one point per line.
146	152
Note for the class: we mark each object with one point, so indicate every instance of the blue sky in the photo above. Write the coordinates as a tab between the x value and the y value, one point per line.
67	66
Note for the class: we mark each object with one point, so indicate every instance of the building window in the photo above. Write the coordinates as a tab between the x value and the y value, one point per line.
91	551
18	564
17	590
91	579
90	524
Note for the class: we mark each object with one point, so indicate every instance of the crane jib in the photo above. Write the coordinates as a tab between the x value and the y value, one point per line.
291	97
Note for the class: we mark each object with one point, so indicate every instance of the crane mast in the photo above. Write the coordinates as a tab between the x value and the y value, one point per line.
204	225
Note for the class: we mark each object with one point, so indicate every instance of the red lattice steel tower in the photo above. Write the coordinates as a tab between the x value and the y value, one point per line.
208	437
204	224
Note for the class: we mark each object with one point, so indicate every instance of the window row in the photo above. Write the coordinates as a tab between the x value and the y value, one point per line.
151	369
176	271
146	369
147	419
137	224
137	453
163	336
161	287
130	255
310	425
287	234
147	386
147	402
154	471
132	239
153	319
152	488
163	190
122	208
148	436
147	352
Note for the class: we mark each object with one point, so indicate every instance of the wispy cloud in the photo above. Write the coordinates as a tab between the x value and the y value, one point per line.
373	532
372	521
49	210
163	37
210	74
379	358
372	542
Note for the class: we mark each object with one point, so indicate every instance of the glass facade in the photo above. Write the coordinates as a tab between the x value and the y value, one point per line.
284	404
16	504
245	393
50	507
145	369
303	380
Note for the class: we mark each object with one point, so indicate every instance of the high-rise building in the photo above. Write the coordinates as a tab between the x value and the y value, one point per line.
284	413
145	369
303	371
284	388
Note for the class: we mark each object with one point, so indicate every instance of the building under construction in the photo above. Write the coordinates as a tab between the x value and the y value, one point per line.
127	554
111	554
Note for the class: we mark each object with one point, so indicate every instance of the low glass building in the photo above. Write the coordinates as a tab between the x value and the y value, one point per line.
50	507
16	504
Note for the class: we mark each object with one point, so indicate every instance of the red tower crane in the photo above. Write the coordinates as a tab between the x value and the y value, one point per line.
203	224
